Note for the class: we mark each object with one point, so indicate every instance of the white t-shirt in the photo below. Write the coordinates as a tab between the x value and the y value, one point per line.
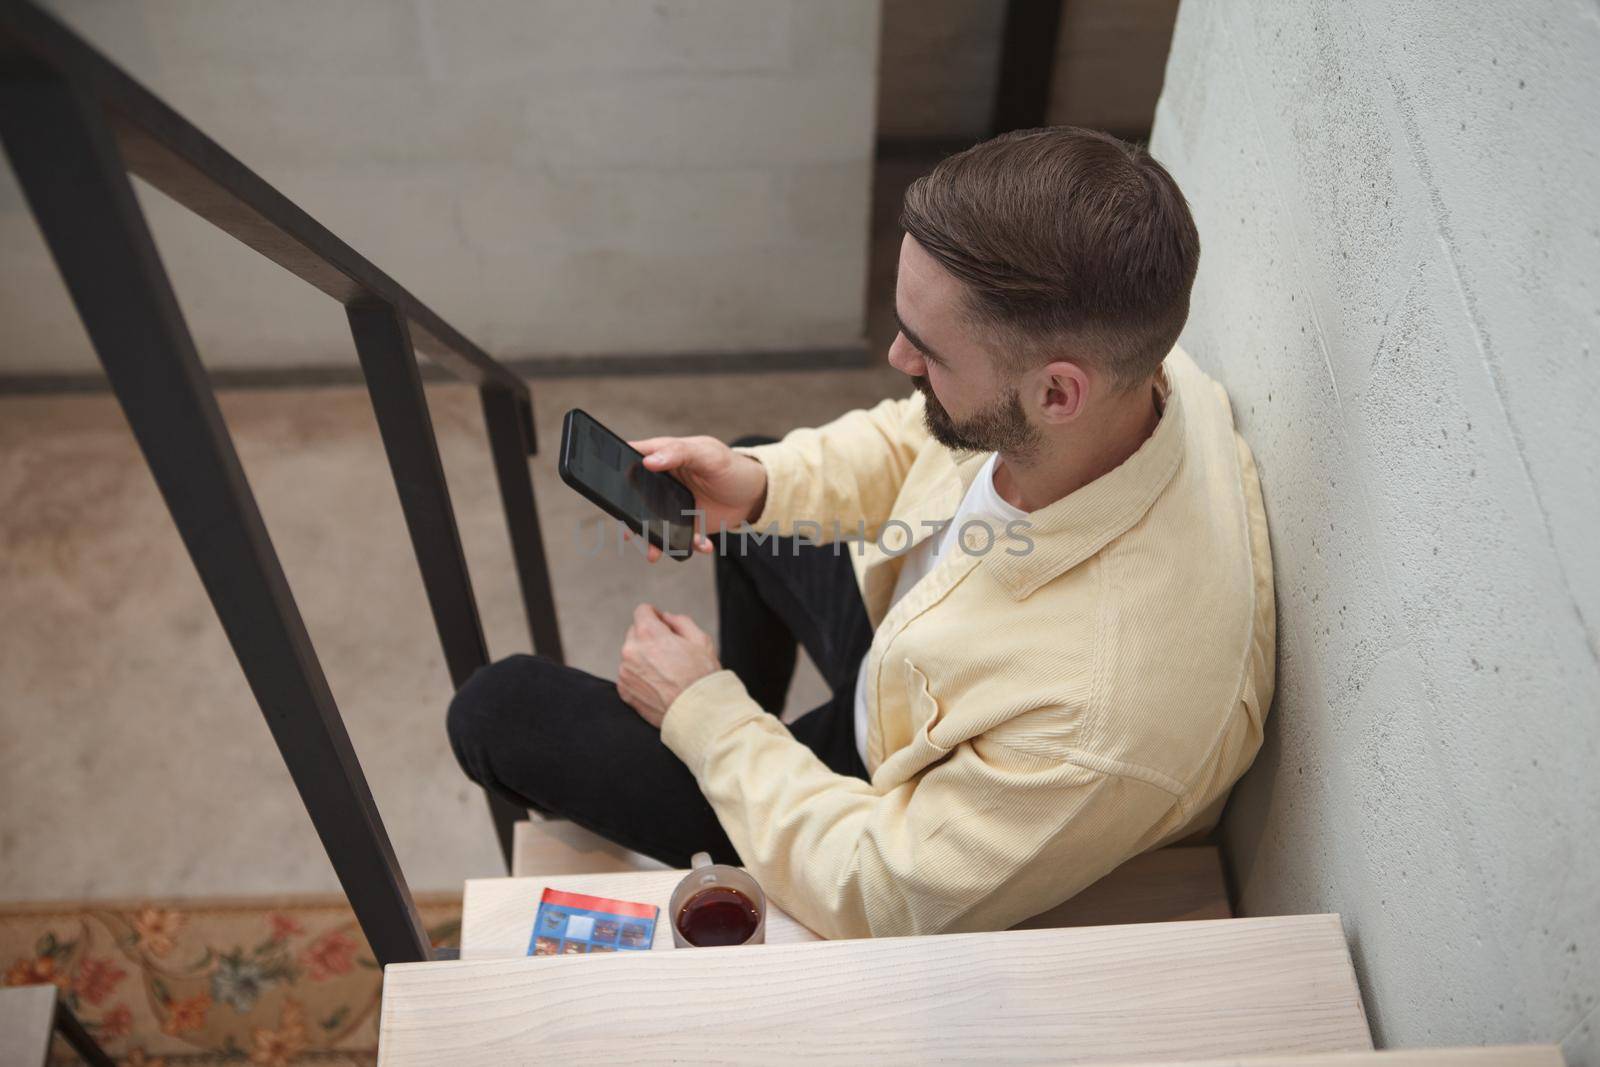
981	502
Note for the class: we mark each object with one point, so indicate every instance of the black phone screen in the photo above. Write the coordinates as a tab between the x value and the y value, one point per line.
603	467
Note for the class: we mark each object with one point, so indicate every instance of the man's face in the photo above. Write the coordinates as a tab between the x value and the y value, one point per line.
970	405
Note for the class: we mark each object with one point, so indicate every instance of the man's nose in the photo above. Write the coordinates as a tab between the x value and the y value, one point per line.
904	357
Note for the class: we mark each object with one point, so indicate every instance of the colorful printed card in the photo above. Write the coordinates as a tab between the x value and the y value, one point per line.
572	924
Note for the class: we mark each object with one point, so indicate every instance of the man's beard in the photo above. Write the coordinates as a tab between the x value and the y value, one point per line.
1001	427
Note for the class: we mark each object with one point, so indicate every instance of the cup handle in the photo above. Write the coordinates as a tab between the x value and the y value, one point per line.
699	859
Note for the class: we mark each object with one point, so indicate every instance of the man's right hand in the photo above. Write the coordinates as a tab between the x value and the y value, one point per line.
728	488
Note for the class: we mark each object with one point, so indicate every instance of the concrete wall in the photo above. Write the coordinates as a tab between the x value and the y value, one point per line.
1110	55
940	62
551	176
1400	287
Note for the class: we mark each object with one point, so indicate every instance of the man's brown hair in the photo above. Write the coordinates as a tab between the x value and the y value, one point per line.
1071	243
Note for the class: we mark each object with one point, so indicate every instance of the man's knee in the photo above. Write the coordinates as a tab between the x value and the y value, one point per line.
488	705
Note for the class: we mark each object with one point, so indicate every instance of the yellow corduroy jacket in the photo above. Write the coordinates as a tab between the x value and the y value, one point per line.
1036	718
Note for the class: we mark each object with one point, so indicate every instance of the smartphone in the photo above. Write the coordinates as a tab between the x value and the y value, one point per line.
604	468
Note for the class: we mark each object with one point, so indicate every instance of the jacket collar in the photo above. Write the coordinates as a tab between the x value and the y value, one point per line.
1081	523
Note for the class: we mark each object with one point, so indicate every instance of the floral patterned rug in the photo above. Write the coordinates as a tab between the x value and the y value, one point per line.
270	982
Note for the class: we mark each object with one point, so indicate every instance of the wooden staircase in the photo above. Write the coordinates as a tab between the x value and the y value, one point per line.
1147	966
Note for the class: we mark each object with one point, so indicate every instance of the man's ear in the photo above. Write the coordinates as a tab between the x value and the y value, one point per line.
1062	391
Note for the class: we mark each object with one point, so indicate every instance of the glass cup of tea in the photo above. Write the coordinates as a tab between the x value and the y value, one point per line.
716	904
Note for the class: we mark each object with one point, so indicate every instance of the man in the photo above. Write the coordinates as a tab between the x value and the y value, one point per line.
1073	671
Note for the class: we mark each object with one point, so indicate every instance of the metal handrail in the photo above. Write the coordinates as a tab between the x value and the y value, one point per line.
74	127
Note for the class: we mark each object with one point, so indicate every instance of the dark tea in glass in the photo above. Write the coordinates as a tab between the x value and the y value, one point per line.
717	904
717	916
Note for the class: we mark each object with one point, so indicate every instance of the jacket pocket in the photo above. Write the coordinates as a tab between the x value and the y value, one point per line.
910	749
925	714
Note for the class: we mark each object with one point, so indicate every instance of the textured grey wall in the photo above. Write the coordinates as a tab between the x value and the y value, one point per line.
1400	287
551	176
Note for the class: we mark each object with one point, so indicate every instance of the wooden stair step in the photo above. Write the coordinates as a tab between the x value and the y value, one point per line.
497	914
1227	987
1470	1056
1170	885
541	846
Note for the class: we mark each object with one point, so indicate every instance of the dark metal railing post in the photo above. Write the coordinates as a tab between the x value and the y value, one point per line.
383	341
67	162
74	1033
509	421
389	365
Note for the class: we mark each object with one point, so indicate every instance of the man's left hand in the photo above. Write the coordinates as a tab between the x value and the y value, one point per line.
663	655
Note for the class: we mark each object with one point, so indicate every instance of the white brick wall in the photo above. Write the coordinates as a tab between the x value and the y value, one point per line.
551	176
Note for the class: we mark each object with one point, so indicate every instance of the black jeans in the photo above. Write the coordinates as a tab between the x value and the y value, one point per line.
561	741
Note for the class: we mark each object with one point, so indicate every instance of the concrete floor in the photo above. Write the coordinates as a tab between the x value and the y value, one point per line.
135	760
